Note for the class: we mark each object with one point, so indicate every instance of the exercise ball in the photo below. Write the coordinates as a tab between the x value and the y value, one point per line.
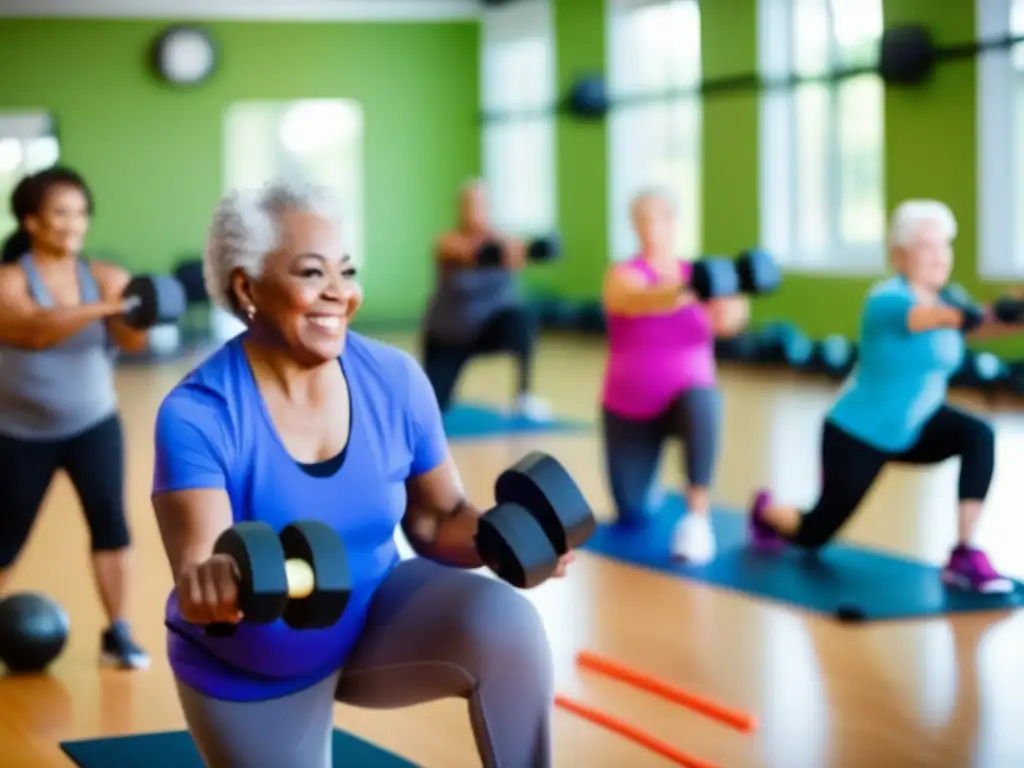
33	632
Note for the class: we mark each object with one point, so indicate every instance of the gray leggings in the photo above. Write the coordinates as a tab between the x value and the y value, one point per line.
632	449
432	633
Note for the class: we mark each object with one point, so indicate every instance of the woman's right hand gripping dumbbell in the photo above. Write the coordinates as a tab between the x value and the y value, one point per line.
208	591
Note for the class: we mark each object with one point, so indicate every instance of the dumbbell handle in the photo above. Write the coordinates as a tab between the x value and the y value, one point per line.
301	583
300	577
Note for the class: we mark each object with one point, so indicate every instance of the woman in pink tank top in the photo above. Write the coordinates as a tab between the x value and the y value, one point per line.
660	377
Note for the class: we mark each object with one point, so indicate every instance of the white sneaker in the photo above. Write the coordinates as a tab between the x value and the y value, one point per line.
532	408
694	540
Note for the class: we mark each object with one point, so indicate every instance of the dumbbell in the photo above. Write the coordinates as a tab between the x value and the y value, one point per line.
1006	309
784	344
544	249
540	250
154	300
489	254
836	356
753	272
300	575
1009	310
540	514
980	370
956	296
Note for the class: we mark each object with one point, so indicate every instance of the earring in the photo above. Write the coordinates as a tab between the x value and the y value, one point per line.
250	312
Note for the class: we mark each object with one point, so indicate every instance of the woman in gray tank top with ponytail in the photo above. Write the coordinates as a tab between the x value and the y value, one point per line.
476	309
58	403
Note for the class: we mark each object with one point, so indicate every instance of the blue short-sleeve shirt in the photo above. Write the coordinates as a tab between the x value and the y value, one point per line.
901	378
214	431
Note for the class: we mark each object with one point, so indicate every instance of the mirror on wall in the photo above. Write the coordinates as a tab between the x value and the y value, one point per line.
28	144
314	140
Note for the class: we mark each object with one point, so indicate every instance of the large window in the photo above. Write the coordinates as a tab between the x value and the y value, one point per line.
314	140
655	123
1001	143
822	143
28	144
518	92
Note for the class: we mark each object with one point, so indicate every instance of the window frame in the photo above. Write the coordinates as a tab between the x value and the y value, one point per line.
516	23
622	243
353	207
999	87
779	155
24	126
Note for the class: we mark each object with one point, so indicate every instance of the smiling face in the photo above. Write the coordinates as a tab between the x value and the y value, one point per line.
62	221
926	259
306	294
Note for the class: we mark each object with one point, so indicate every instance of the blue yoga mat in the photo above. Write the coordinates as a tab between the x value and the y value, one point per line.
879	585
175	749
466	421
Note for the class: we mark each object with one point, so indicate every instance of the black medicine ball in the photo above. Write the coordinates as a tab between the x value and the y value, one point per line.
33	632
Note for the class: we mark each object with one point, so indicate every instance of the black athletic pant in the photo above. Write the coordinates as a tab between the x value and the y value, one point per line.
512	330
849	468
94	462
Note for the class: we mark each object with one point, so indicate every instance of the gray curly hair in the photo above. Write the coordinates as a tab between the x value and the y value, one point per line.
246	227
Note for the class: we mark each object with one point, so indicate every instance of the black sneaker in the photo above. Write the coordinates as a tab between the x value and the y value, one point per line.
117	649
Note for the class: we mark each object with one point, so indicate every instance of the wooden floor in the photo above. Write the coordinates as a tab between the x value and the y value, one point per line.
946	692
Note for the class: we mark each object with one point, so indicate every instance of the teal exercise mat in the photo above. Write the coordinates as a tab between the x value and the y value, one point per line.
175	749
468	421
843	581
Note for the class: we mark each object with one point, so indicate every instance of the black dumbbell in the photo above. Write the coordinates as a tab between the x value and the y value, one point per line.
300	575
956	296
1009	310
544	249
1006	309
753	272
155	300
489	254
540	514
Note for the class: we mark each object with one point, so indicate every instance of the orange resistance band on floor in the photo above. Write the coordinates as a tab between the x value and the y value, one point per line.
741	721
635	735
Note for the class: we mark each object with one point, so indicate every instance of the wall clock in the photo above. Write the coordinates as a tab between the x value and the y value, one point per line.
184	55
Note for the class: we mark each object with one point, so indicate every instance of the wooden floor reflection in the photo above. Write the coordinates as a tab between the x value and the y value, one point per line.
946	692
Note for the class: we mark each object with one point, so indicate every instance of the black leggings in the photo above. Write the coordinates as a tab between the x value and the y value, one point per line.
632	449
94	462
512	330
849	468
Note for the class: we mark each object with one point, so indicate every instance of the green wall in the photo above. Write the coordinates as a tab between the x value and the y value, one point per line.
153	154
582	166
730	134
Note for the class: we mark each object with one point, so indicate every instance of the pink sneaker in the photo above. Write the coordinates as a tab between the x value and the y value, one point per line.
969	569
762	535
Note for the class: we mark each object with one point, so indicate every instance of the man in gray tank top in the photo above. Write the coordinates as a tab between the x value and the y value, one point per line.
477	309
58	401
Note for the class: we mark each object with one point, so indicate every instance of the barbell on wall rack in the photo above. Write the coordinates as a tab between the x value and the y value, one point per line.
907	58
